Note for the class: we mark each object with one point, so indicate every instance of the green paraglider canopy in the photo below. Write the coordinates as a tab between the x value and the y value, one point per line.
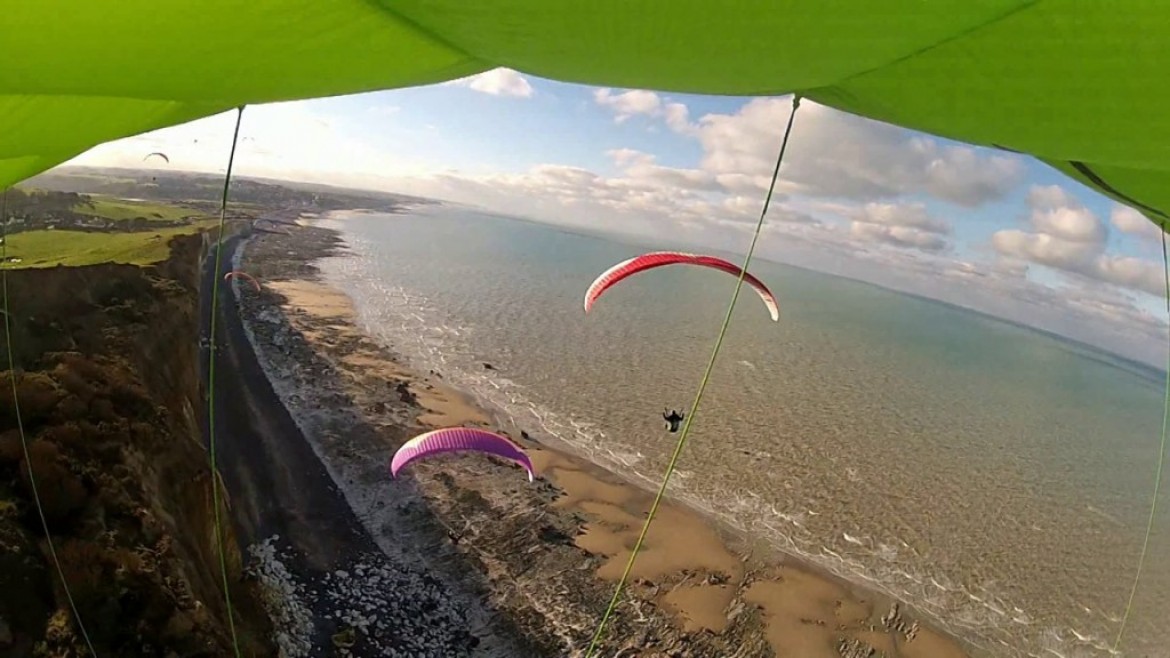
1081	84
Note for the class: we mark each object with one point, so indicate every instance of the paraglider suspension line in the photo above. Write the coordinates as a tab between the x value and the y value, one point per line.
32	481
227	179
682	439
1161	461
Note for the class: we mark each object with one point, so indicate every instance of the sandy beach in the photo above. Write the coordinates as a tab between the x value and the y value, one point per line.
548	553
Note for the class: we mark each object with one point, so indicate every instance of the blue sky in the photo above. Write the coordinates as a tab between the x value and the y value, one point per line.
980	227
460	128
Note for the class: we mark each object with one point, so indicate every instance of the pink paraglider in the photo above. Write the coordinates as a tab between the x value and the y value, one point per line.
234	274
459	439
660	258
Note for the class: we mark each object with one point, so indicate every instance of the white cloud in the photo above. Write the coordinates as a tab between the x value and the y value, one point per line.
1119	310
637	102
1046	249
741	208
832	154
907	224
684	179
498	82
900	236
678	117
1069	237
1088	310
743	183
644	198
1128	220
1010	266
1057	213
629	103
1065	236
626	156
908	215
1136	273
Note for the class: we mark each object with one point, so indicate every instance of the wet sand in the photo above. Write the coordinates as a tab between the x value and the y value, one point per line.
554	550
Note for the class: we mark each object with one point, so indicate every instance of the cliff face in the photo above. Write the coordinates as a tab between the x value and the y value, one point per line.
108	383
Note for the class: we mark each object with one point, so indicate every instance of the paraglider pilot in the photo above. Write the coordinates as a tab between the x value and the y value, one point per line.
673	418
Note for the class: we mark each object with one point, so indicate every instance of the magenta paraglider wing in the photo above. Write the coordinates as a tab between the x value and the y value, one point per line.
459	439
651	260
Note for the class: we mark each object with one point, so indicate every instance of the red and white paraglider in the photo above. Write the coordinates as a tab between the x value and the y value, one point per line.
236	273
459	439
655	259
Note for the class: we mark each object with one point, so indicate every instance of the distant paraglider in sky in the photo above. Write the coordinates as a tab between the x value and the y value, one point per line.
159	154
459	439
236	273
651	260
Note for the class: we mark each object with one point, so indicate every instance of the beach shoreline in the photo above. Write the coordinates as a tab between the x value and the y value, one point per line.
551	551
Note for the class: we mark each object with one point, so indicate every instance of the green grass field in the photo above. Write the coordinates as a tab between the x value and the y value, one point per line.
74	248
118	209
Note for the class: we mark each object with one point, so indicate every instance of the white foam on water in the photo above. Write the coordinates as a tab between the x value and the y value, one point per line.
852	540
886	553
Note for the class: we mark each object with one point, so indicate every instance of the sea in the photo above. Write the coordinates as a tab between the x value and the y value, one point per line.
995	477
